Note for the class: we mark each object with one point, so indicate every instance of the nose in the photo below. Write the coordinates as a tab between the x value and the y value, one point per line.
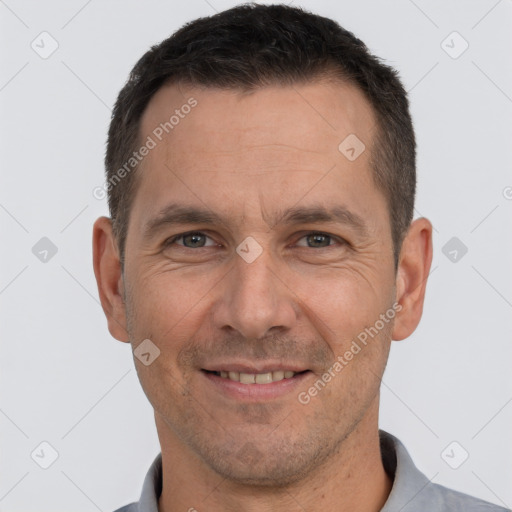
255	299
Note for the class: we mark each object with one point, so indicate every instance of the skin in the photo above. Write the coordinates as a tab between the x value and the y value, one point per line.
301	302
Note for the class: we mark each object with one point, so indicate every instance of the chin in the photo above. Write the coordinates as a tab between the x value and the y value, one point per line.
265	465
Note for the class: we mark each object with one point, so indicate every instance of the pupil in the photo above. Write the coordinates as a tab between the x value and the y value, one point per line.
195	239
318	239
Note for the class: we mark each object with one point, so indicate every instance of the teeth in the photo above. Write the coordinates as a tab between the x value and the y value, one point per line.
247	378
278	375
264	378
257	378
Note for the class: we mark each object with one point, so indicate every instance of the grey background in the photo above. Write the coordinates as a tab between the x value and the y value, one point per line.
65	381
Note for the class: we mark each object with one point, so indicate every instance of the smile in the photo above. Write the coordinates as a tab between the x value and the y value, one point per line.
255	384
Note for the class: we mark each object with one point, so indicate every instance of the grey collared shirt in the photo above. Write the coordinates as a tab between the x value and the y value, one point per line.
412	491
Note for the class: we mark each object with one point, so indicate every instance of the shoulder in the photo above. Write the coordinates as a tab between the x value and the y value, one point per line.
441	498
132	507
412	491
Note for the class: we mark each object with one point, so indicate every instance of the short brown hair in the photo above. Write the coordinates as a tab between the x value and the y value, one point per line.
250	46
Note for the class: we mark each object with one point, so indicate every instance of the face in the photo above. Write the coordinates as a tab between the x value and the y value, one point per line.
258	255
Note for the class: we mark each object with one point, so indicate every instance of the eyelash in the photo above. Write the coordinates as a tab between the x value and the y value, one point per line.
172	240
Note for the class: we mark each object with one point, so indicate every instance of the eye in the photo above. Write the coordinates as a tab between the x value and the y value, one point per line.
318	240
198	240
191	240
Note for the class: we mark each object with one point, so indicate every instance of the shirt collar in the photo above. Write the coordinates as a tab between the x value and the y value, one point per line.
408	481
152	487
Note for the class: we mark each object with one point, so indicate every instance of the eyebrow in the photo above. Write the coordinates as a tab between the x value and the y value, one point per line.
179	214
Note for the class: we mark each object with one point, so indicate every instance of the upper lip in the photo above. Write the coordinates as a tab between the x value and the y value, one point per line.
263	367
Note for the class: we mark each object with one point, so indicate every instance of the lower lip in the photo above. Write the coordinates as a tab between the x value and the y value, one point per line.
255	392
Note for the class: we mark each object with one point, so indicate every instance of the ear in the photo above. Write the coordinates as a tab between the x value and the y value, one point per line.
107	269
411	280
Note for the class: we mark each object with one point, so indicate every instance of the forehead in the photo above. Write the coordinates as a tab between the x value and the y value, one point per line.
314	116
229	149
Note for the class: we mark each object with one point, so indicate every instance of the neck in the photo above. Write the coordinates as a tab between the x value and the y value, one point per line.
352	479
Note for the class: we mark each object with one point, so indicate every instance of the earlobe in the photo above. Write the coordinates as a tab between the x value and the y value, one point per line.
107	269
411	281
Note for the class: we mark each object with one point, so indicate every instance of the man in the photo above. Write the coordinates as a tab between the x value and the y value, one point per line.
260	258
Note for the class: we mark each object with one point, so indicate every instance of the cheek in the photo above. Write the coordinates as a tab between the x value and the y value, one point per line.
168	302
169	311
342	302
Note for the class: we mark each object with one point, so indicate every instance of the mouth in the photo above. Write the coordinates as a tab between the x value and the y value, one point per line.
256	378
254	384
